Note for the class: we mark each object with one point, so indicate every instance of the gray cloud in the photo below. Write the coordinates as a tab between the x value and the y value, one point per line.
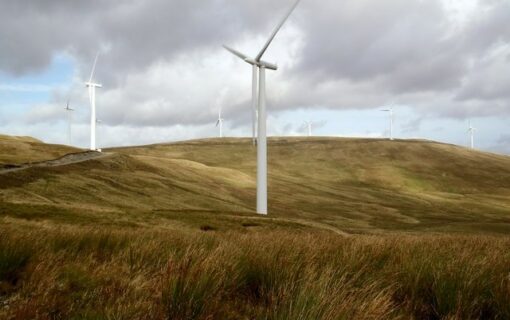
132	34
489	80
360	40
162	63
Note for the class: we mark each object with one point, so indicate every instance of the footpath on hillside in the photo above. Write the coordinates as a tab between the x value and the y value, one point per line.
62	161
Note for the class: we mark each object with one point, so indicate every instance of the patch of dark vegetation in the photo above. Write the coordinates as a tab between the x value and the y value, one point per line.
207	228
250	224
22	178
10	166
14	258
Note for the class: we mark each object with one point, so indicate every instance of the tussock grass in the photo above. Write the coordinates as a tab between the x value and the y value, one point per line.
85	273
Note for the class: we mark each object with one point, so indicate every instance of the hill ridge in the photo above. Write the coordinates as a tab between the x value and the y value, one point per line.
353	185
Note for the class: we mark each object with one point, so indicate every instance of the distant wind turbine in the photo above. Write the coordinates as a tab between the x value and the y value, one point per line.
92	96
390	110
260	113
309	125
69	112
219	123
471	132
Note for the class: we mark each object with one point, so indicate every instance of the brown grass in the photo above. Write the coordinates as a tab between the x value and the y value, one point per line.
168	232
17	150
349	185
109	273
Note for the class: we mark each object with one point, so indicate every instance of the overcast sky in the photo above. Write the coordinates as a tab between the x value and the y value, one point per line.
165	73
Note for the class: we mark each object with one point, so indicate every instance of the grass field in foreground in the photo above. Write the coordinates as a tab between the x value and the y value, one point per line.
358	229
98	273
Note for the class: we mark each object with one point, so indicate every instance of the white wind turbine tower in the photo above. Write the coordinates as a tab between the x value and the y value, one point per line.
98	124
219	123
260	112
390	110
69	112
309	125
92	96
471	132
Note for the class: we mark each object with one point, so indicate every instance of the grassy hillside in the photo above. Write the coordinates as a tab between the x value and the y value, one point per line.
345	185
16	150
358	229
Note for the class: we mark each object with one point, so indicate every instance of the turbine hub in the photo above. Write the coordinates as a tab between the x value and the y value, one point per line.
267	65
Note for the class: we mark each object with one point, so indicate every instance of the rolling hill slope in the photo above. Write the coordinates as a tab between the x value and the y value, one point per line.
16	150
341	185
168	231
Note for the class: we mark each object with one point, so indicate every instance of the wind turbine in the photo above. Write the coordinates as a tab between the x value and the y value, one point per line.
259	110
390	110
69	112
472	131
219	123
92	96
309	127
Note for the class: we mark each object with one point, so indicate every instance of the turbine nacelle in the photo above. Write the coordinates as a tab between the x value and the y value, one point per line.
260	64
94	85
253	62
471	128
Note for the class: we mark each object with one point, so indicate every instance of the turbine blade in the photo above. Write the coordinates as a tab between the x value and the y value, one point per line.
236	53
93	68
273	35
218	123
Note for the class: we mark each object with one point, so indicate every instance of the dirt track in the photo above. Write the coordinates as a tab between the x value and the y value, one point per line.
62	161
